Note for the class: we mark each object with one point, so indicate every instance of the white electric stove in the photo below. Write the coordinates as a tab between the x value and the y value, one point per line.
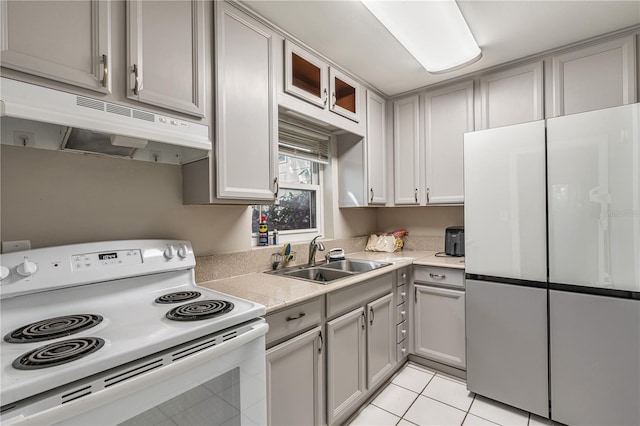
110	332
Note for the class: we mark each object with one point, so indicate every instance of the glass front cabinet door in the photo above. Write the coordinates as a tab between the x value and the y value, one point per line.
309	78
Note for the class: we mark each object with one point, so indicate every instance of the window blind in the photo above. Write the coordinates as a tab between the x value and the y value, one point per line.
300	141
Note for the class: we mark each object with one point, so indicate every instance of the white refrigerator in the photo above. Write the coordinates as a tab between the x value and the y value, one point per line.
593	187
561	341
506	265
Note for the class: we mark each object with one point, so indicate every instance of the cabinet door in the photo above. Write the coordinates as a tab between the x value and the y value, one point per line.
165	60
448	116
246	114
381	343
439	325
596	77
406	150
345	362
512	96
345	93
74	48
295	381
376	149
305	76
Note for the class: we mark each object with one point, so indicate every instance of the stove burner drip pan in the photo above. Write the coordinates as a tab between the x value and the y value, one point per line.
201	310
58	353
178	297
52	328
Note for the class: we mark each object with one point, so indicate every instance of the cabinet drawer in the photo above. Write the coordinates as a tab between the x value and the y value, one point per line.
401	313
401	294
403	276
402	350
401	332
440	276
292	320
356	295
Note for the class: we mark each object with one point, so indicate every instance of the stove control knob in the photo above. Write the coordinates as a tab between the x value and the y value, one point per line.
183	251
170	252
4	272
27	268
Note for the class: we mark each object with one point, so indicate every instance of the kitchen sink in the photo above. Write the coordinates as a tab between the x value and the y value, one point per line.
355	265
328	272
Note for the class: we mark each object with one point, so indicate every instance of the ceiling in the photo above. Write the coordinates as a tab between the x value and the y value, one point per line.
347	33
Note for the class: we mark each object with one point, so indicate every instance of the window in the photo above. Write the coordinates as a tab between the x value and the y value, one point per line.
299	199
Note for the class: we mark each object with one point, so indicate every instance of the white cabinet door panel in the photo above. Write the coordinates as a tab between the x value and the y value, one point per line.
80	52
380	339
376	149
406	143
595	77
505	223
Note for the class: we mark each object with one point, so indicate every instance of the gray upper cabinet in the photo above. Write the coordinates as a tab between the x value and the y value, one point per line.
595	77
246	113
406	150
165	54
80	52
448	116
376	149
512	96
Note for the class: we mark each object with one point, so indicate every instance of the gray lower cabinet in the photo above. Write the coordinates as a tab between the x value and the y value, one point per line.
295	380
346	360
380	339
439	332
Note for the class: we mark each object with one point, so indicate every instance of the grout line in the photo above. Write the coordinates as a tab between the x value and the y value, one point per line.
448	405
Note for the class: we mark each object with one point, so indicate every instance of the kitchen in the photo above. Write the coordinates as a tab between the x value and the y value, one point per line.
55	198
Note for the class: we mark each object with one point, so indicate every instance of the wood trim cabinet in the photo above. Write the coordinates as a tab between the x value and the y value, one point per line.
73	48
165	54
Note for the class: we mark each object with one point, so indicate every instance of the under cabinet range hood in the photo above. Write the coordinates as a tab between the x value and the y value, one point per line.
40	117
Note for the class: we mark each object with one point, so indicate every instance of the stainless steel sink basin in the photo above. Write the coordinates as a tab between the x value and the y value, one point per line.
328	272
353	265
318	274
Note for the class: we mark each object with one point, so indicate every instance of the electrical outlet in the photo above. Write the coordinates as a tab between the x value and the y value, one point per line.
22	138
11	246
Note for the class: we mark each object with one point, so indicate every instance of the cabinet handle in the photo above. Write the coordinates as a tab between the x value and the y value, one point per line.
333	100
404	277
300	315
136	86
403	294
371	190
326	97
321	343
364	321
415	194
415	295
372	315
277	185
105	71
427	195
437	276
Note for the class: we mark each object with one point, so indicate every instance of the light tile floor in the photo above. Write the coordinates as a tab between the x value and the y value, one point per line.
418	396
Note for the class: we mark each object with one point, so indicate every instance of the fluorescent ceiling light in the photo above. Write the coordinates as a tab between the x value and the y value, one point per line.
434	32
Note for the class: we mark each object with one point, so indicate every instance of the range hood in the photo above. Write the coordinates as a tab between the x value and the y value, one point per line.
40	117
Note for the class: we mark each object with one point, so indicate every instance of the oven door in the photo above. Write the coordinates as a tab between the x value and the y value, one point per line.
223	384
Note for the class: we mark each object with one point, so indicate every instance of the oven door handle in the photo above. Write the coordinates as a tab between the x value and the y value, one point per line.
135	384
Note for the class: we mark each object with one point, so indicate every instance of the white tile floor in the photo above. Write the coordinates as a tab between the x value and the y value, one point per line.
418	396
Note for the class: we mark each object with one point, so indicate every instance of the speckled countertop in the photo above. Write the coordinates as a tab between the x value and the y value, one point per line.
277	292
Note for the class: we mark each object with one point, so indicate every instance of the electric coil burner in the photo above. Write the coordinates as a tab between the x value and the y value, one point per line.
53	328
87	336
196	311
178	297
58	353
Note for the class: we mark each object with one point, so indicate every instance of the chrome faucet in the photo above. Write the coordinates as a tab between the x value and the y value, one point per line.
313	246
